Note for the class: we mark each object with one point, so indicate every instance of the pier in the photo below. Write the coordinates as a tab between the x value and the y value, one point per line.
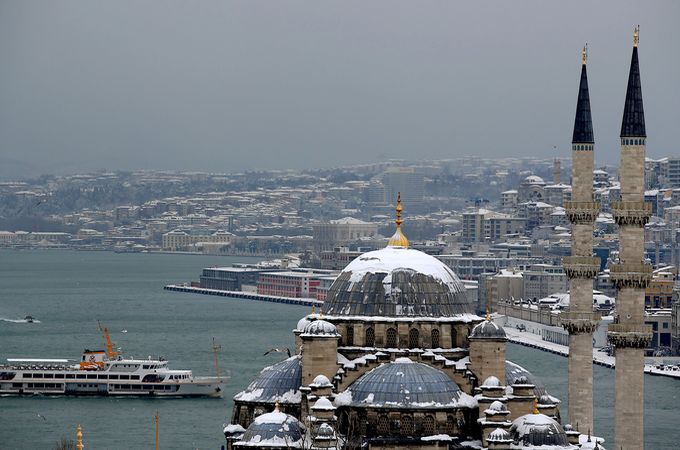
244	295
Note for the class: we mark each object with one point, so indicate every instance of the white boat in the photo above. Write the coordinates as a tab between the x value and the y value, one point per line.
104	372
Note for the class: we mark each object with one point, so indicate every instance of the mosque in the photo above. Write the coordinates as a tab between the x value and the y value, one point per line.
397	359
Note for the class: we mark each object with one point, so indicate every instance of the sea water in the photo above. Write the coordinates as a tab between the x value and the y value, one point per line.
70	291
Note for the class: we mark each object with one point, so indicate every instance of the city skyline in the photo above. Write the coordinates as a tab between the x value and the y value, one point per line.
122	88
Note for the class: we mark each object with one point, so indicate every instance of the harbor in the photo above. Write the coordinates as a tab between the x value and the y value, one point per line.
243	295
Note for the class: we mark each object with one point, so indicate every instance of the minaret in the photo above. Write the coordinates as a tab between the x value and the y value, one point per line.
581	267
631	275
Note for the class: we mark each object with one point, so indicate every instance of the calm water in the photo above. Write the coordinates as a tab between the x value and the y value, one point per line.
70	291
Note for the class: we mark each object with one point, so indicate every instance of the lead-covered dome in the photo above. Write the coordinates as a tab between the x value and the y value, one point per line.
488	330
278	383
274	429
407	384
539	431
397	282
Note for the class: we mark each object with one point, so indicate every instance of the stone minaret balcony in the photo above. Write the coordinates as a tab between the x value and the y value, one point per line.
631	213
629	335
631	275
582	212
581	266
579	322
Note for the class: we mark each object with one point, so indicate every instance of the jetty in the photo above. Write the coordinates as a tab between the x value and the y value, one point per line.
243	295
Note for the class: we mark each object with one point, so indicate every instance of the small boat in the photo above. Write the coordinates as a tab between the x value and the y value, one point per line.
29	319
105	372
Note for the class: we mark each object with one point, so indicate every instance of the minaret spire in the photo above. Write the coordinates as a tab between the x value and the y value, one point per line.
633	123
583	122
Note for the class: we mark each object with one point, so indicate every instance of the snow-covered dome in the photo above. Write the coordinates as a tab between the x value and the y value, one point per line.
302	323
407	385
325	431
499	435
536	430
323	404
320	327
278	383
491	382
516	374
497	406
321	381
488	330
397	282
274	429
534	180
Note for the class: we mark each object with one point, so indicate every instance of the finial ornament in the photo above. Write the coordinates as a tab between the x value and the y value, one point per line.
584	54
488	312
398	239
536	406
636	35
79	438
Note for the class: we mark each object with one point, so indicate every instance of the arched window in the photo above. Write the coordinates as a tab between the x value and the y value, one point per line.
428	425
407	425
391	338
413	338
435	338
450	424
454	336
369	340
383	425
349	338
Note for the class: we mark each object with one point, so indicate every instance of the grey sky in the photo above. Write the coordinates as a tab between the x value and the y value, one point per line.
231	85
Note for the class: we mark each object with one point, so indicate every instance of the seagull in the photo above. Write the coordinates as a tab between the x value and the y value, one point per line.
42	417
123	331
277	350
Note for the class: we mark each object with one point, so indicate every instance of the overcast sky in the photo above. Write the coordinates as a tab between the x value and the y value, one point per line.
232	85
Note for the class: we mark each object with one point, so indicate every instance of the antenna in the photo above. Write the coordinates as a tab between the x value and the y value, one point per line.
216	348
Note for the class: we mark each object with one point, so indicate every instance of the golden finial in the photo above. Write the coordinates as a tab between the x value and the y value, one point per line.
536	406
313	308
79	438
276	406
584	54
398	239
636	35
488	312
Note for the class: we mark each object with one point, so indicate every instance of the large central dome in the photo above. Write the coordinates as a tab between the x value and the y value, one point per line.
397	282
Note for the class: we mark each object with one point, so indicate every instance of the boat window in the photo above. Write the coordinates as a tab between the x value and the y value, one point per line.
145	366
102	377
48	375
91	376
70	375
125	377
113	377
134	377
28	375
80	375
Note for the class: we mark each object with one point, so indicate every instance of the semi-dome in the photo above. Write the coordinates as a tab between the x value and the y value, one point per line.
274	429
320	327
491	382
397	282
402	384
488	330
536	430
302	323
514	372
278	383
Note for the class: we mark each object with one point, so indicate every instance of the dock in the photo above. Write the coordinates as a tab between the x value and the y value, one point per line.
243	295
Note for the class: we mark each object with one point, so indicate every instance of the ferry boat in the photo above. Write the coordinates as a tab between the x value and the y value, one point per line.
104	372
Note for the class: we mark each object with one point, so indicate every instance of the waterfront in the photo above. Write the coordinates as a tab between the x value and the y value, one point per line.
68	291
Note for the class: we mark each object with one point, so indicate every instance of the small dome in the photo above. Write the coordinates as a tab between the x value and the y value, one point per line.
499	435
402	385
323	404
491	382
302	323
516	374
321	380
320	328
397	282
546	400
539	429
488	330
274	429
497	406
568	427
233	430
278	383
325	431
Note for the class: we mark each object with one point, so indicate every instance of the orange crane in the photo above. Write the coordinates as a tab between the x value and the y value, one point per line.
109	345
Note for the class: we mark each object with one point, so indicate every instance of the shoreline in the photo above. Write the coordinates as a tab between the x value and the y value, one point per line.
243	295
